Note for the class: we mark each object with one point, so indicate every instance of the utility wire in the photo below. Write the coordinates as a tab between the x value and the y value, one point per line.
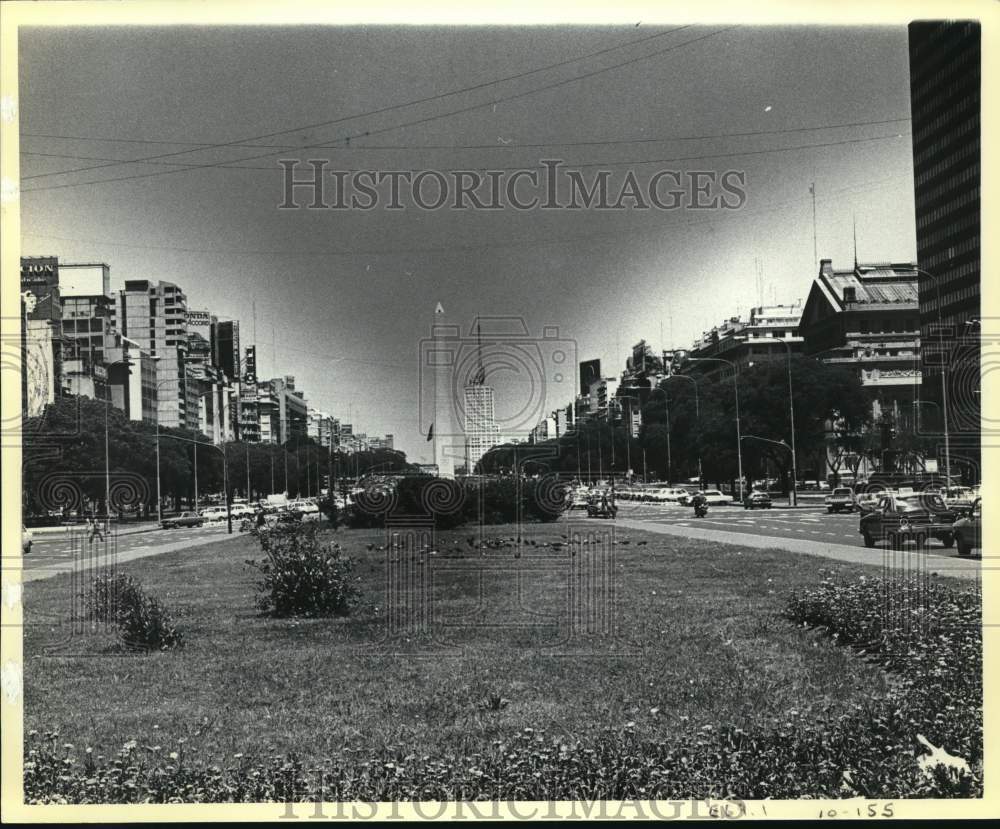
392	107
392	128
498	146
571	165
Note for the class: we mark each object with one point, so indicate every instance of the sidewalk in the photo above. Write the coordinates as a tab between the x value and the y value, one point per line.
947	565
102	557
130	528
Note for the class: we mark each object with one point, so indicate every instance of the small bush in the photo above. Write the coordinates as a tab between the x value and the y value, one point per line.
302	576
141	621
452	503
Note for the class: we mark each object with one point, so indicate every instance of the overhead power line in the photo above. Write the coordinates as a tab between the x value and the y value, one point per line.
497	146
368	133
390	108
570	164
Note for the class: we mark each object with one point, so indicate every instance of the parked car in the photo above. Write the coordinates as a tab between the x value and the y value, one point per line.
308	511
968	530
897	518
243	510
757	499
214	514
715	498
185	519
842	499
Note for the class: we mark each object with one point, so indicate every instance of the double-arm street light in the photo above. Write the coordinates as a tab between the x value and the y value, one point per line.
697	414
793	495
776	443
225	470
736	393
125	361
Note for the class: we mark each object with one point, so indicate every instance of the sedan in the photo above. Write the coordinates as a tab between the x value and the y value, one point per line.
757	498
916	518
841	500
185	519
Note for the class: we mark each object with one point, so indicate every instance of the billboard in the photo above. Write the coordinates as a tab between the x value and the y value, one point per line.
590	372
84	280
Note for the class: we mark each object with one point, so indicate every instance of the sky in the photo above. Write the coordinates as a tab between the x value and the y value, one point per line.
343	299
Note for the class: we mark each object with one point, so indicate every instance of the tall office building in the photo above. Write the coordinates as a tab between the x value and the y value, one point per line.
154	315
945	109
481	432
87	309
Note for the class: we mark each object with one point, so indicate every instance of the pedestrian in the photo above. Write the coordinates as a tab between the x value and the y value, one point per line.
94	529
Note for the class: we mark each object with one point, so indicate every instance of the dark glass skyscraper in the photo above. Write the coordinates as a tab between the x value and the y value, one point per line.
945	108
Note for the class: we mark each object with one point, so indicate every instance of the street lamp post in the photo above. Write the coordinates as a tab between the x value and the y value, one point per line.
793	495
768	440
697	415
944	375
736	393
225	469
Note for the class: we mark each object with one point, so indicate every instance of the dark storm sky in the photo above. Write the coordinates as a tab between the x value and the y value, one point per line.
344	297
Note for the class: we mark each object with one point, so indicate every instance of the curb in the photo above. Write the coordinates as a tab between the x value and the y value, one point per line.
42	532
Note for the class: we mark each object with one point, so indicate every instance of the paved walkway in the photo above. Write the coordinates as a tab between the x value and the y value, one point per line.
107	556
120	529
953	566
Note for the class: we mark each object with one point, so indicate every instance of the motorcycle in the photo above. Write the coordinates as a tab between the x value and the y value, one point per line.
701	510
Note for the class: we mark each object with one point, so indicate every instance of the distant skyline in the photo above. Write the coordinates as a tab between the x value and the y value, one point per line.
344	297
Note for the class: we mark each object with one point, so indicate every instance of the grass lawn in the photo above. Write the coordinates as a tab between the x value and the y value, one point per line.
698	640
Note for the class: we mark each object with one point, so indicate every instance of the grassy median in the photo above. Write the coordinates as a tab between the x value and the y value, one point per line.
691	638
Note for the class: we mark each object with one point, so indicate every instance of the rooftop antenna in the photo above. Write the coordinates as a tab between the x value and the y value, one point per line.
481	372
855	220
812	190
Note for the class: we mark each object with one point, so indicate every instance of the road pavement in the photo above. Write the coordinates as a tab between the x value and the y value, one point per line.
813	532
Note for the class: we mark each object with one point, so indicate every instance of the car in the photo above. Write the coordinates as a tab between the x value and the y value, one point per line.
214	513
959	498
867	501
842	499
307	510
897	518
243	510
968	530
669	495
27	539
757	498
714	497
184	519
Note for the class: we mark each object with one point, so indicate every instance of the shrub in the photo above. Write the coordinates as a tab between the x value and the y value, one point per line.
141	621
452	503
301	576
